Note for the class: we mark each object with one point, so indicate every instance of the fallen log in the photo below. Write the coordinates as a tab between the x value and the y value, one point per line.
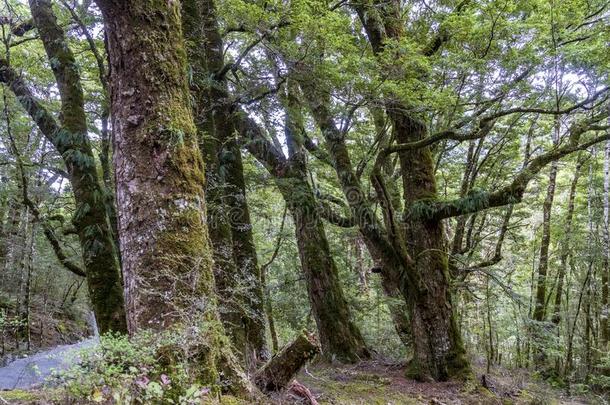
283	367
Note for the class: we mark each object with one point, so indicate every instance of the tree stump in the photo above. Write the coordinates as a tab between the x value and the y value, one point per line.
282	368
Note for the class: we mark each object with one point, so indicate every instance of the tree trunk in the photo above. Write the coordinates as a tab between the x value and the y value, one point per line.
213	127
159	171
565	246
167	258
382	246
233	242
539	314
284	366
605	332
425	285
439	351
340	338
71	141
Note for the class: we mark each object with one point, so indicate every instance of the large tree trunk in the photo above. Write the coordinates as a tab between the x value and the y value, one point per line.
339	336
438	349
166	255
167	258
377	240
425	285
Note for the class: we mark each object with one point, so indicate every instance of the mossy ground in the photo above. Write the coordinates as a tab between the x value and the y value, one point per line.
380	383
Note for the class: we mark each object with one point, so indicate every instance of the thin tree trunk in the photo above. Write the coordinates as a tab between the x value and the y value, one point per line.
585	284
539	314
605	332
267	293
565	246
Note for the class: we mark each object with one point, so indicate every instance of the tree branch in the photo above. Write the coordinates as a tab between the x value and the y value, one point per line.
510	194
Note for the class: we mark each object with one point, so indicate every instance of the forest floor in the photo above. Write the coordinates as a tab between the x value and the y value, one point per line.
378	383
382	383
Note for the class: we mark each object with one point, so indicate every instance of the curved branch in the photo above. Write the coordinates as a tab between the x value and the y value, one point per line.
510	194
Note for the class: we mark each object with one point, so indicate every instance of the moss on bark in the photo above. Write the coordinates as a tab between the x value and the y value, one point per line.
167	258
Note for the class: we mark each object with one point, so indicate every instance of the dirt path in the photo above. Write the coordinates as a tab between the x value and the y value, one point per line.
33	370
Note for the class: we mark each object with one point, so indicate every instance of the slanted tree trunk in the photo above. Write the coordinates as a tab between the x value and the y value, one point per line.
380	242
71	141
284	366
339	336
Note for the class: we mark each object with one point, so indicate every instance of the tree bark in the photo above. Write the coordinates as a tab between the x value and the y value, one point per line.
231	233
385	253
167	258
284	366
165	247
70	139
339	336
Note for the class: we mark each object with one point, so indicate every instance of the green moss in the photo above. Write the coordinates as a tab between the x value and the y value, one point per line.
19	395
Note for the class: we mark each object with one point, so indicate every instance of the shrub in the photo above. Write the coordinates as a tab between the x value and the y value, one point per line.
147	368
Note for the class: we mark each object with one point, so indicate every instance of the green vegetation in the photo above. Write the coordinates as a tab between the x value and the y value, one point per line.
424	186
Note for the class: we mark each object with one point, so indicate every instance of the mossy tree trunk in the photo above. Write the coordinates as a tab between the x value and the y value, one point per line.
438	349
425	285
167	257
213	126
339	337
245	255
237	270
384	250
70	139
167	261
